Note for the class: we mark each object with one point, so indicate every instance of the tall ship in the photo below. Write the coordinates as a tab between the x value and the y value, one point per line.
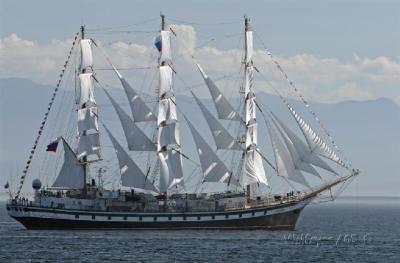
152	188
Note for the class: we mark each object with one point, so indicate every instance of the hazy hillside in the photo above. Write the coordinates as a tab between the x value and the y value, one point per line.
367	131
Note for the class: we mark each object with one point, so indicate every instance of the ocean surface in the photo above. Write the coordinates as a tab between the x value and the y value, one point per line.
347	230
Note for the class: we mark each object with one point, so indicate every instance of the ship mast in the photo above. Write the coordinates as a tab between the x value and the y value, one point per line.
253	170
88	132
84	159
168	139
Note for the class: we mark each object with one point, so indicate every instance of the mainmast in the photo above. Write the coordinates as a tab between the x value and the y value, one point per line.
253	169
168	139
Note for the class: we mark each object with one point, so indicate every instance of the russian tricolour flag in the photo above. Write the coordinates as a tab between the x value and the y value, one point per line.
158	43
52	147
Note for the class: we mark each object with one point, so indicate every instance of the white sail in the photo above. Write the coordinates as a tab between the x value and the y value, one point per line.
166	111
165	82
87	119
86	54
171	169
88	144
168	134
131	174
71	174
135	137
164	172
316	144
140	111
166	46
224	108
167	119
214	170
253	169
284	162
249	46
253	166
303	150
87	92
221	136
297	159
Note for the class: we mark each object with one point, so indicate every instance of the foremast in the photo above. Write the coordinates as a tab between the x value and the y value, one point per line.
74	172
168	139
253	169
88	131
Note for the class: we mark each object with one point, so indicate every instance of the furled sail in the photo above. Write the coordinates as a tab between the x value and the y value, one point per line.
131	174
221	136
224	108
302	149
135	137
86	54
316	144
140	111
72	171
214	170
284	162
253	166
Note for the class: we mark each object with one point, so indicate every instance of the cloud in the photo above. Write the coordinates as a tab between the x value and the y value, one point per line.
319	79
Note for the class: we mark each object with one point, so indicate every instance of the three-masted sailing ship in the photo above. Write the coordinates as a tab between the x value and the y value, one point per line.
157	197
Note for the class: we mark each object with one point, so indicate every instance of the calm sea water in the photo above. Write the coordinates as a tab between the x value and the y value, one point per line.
347	230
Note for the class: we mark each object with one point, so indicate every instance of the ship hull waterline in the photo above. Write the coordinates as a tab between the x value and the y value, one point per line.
277	217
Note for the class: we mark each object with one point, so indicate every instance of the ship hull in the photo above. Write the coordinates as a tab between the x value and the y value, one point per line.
277	217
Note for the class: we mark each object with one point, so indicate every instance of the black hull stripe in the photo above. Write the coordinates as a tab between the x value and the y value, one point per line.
281	221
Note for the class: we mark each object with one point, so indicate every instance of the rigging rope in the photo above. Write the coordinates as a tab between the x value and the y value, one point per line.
299	94
40	131
131	25
204	24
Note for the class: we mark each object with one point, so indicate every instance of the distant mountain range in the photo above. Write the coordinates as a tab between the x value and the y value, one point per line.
367	131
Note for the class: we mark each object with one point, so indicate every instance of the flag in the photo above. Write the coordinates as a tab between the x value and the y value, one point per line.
6	186
52	147
158	43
